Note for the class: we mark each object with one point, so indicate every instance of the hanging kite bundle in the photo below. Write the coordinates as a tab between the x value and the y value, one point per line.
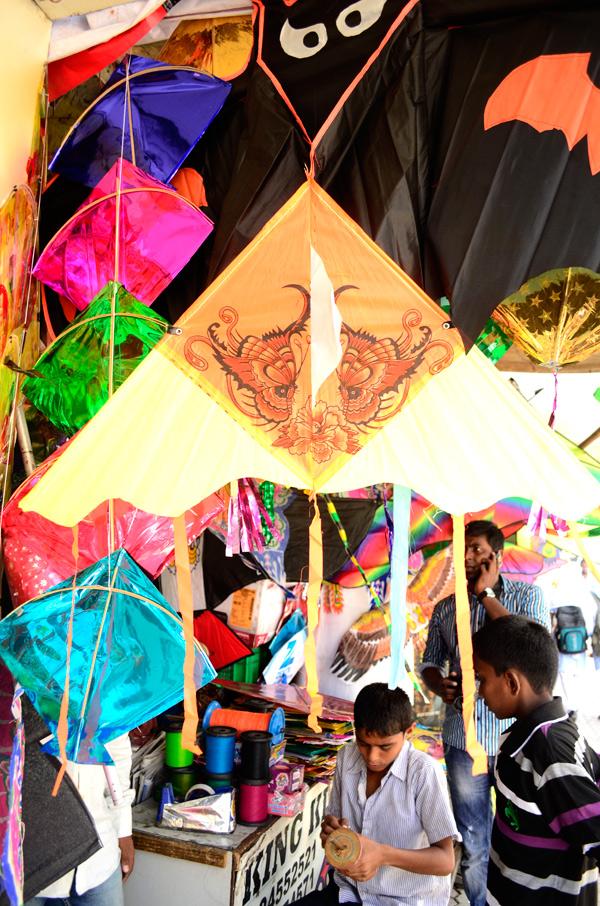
129	239
246	516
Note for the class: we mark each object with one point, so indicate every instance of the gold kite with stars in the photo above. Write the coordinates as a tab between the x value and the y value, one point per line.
554	318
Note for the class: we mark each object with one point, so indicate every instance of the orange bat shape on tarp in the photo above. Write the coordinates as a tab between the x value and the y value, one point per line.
551	92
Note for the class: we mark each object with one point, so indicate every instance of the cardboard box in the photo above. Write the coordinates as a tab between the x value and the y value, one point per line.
286	777
287	804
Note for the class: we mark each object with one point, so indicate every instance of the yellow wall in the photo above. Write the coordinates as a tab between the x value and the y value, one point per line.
24	38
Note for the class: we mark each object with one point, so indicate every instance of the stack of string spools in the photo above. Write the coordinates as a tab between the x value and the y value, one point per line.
255	775
256	731
180	770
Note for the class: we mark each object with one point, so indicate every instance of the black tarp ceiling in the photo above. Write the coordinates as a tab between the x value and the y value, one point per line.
467	212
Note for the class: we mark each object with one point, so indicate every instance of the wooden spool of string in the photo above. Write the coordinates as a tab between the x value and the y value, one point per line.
342	848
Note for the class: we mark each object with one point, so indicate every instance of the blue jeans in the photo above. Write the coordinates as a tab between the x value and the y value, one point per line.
109	893
472	805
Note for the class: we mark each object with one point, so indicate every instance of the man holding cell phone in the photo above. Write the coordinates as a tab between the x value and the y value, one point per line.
490	596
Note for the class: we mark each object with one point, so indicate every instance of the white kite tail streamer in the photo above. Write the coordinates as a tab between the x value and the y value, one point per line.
398	611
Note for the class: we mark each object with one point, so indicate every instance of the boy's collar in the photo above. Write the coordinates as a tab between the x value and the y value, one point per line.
523	729
399	766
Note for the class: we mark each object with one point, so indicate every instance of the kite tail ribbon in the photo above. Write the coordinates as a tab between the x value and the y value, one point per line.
186	605
315	578
465	647
233	521
247	518
267	509
62	729
399	567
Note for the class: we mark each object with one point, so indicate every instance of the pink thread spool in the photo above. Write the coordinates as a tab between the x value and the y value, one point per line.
253	802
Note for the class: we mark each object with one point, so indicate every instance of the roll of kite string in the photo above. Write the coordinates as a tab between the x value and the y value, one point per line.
253	806
219	749
342	848
255	754
273	723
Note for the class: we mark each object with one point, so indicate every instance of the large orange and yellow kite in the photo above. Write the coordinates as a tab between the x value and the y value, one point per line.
315	362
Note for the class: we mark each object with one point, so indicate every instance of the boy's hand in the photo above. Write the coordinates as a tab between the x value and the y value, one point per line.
369	862
330	824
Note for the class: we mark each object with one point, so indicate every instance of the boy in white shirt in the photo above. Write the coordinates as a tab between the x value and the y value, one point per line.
395	797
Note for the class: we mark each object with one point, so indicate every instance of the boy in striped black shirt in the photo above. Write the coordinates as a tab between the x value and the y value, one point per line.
546	837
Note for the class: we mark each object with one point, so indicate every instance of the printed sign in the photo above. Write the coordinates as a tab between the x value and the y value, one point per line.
286	862
242	606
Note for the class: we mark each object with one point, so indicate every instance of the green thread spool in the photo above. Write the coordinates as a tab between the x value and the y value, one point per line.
182	780
175	755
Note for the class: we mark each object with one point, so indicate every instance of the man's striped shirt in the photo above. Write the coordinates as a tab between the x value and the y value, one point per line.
442	646
546	836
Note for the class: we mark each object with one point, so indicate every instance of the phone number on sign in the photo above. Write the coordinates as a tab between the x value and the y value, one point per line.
298	880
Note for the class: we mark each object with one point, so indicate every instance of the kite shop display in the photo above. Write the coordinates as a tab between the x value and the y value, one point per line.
241	822
295	324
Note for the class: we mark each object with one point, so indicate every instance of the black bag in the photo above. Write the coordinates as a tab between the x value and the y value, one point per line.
571	633
59	831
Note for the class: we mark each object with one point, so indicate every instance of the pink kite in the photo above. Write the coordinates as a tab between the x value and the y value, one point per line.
159	231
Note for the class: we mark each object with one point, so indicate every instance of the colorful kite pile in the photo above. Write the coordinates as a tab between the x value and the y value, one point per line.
110	259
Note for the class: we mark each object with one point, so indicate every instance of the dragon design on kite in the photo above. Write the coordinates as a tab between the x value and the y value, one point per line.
263	377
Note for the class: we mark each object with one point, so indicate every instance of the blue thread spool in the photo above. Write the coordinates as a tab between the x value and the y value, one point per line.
219	748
